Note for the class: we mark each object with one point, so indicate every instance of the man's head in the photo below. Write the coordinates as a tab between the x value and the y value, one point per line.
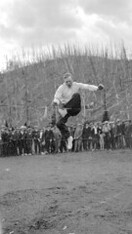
87	125
68	79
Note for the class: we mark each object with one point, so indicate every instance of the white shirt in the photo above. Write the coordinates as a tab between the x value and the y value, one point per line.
64	93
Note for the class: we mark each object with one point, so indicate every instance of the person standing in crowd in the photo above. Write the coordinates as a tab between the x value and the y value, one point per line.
16	136
85	135
95	137
0	144
57	139
112	135
118	134
5	140
100	136
42	140
128	133
49	139
63	147
78	138
36	140
29	141
67	102
123	131
22	140
106	131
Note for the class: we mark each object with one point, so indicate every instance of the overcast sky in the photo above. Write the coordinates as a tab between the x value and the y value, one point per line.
27	23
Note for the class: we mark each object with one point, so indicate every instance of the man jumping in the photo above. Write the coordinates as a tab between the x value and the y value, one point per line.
67	102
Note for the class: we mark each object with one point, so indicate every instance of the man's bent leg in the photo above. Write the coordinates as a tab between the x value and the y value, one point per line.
73	108
74	105
62	127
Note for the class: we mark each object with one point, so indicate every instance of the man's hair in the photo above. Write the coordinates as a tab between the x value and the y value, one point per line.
66	75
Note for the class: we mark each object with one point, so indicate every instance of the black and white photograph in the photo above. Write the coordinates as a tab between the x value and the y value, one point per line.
65	117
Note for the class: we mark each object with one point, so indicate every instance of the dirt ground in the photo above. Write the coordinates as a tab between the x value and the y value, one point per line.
82	193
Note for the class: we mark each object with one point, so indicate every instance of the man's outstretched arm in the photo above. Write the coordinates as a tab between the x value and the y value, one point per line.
90	87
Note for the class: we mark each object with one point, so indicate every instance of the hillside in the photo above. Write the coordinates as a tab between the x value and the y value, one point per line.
25	91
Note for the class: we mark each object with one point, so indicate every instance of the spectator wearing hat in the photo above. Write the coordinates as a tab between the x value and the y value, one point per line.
106	131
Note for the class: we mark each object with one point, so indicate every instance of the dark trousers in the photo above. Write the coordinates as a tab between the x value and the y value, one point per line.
29	146
107	141
63	147
85	143
37	146
73	108
49	145
5	148
22	146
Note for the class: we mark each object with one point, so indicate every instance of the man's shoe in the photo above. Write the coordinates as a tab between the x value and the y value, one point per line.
62	112
69	142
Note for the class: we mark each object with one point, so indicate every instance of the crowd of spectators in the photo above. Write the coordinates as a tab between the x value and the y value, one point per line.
89	136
